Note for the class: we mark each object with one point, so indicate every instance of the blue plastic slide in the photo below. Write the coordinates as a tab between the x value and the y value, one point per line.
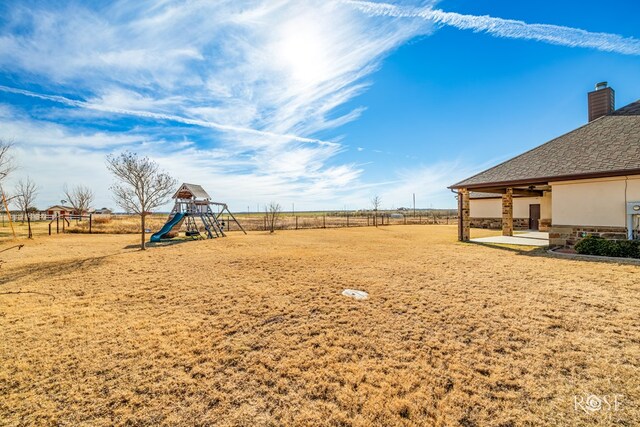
175	221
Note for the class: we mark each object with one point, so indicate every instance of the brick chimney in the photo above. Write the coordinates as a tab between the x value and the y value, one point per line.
602	101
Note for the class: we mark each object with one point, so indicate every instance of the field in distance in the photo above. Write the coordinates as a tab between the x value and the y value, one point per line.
254	221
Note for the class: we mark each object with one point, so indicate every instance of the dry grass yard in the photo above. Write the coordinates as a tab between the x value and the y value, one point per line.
252	331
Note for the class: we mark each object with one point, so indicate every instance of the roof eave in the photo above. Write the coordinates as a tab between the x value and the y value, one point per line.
531	181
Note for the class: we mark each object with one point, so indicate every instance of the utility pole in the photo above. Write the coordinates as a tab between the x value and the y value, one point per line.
414	205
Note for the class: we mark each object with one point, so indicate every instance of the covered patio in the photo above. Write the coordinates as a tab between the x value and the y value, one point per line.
507	191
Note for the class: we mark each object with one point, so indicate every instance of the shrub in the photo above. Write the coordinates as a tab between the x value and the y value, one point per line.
629	248
590	245
596	245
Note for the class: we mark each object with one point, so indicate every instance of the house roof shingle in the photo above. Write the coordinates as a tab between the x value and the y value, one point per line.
609	144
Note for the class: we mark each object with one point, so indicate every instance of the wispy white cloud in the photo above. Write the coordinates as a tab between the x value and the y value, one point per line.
108	108
37	133
508	28
50	153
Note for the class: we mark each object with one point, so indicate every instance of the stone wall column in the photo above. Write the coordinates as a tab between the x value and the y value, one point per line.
464	215
507	212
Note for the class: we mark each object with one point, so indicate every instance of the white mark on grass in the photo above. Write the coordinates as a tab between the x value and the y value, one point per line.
359	295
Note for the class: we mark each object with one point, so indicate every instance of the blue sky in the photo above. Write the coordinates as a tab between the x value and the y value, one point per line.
319	103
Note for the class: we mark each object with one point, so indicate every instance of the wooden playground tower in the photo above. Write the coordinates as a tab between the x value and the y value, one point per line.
193	204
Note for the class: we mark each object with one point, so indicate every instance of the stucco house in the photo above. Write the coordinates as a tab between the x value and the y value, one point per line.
584	182
60	210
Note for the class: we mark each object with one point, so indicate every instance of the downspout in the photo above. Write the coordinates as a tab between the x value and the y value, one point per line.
627	217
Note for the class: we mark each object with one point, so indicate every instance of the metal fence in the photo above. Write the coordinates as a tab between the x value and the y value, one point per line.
33	216
53	224
41	216
300	222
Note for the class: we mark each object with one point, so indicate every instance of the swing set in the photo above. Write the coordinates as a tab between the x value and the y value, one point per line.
193	206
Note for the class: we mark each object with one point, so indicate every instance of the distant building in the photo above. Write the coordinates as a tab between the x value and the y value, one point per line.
60	210
102	211
582	183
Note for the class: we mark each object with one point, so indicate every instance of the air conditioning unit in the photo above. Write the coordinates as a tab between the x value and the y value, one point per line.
633	220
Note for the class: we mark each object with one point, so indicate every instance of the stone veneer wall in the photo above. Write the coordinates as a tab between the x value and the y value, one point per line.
496	223
507	213
544	224
569	235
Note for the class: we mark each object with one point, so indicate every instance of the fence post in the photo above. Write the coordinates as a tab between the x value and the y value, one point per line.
90	222
265	223
347	220
367	220
57	223
324	221
420	219
296	222
49	229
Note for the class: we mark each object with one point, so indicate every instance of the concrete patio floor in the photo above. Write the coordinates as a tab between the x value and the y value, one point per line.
527	238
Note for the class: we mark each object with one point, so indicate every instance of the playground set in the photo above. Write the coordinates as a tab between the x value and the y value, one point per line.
193	206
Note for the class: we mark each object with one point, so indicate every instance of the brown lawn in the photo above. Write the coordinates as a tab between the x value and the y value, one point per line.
252	330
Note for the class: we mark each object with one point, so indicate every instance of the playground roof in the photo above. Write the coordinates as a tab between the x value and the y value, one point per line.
188	191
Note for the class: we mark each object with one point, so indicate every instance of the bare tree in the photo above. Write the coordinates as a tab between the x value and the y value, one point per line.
7	163
272	210
376	201
80	197
142	187
24	196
